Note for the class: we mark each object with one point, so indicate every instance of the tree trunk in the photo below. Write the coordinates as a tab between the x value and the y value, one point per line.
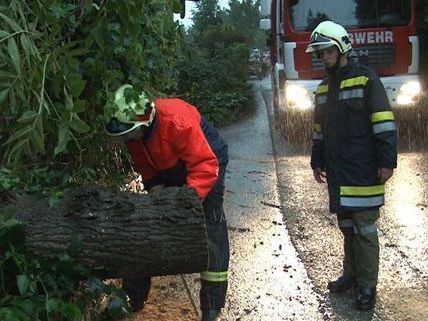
121	233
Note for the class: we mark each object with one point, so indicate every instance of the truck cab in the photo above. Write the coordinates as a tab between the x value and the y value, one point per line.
382	33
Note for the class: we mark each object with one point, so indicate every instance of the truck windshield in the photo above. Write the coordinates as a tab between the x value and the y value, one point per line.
305	15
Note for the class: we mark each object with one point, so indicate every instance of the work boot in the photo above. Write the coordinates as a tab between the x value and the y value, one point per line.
137	304
366	298
341	284
210	315
137	290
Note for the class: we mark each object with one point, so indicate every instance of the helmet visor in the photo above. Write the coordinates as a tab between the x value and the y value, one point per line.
316	47
116	127
318	42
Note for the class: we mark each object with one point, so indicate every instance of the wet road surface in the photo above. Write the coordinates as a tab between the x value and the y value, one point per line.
285	245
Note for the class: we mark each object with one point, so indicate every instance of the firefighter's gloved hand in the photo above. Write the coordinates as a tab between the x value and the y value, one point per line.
156	189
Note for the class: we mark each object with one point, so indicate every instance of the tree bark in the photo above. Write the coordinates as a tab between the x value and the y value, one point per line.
121	233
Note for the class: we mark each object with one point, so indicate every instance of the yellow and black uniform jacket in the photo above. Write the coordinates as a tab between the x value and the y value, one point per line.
354	135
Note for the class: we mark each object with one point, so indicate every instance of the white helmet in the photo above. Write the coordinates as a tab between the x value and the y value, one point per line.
328	34
130	114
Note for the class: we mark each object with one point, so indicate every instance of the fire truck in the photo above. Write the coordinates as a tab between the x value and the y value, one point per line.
382	33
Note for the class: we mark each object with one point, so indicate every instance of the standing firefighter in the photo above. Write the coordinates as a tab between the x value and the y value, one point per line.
171	144
355	151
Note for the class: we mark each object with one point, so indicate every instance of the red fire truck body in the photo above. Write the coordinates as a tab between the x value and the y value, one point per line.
382	33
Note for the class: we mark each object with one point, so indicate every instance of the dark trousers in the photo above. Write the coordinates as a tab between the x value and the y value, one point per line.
213	288
361	246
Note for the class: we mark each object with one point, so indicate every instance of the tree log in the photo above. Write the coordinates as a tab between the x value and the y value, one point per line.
121	233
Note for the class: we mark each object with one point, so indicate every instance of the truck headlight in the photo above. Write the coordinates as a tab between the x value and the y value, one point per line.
408	93
297	97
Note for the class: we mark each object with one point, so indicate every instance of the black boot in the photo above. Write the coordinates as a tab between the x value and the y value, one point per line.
365	298
341	284
210	315
137	289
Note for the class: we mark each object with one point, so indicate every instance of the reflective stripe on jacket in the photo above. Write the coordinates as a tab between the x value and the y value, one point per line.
180	147
354	135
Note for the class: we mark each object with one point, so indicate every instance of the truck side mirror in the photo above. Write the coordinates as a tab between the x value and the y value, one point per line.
265	24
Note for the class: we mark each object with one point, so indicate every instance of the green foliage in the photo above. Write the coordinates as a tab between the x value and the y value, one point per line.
214	68
60	59
244	16
51	182
220	108
33	289
207	15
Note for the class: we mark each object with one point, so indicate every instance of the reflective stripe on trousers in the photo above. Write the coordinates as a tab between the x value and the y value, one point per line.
348	223
214	276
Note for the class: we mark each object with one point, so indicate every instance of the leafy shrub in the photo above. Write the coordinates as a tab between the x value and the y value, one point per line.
213	74
60	59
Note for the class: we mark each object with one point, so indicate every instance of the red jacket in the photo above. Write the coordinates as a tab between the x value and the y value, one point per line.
176	135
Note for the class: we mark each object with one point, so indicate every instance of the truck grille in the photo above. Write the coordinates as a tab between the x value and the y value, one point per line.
373	56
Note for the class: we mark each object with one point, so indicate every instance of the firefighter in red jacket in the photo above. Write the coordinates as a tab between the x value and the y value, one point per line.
171	144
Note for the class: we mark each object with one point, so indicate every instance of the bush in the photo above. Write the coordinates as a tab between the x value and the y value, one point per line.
213	74
60	59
